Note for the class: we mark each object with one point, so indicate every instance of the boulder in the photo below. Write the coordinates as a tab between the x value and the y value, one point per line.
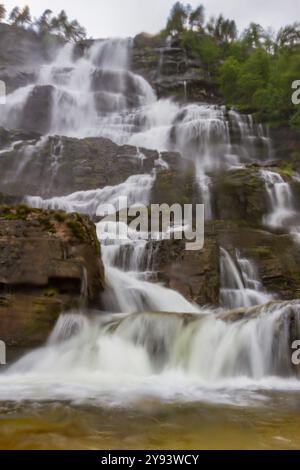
49	262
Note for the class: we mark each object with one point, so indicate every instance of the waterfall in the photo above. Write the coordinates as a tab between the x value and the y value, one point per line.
126	291
97	95
240	283
181	350
282	214
116	359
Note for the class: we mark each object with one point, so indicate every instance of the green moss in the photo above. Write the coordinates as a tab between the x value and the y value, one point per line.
287	169
4	302
77	229
45	221
60	216
50	292
15	213
263	251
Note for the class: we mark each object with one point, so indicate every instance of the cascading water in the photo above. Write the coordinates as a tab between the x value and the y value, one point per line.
175	356
282	214
119	358
98	95
240	284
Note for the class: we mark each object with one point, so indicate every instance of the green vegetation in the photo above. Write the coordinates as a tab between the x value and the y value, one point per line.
77	229
254	69
14	213
47	23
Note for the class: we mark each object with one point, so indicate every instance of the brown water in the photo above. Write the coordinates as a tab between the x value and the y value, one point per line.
152	425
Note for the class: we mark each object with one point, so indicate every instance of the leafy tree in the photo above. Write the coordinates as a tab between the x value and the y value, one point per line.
71	31
74	32
209	53
228	78
60	23
254	35
223	30
178	18
19	17
289	36
197	18
43	24
254	75
2	12
14	15
24	16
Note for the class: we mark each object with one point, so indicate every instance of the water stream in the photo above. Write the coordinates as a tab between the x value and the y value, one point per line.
184	352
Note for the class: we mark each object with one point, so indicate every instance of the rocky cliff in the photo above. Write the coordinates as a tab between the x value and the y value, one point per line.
49	262
32	164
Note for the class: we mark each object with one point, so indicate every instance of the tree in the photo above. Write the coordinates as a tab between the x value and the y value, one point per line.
254	35
14	15
2	12
43	24
60	23
229	31
197	18
24	16
20	17
223	30
288	36
254	76
228	79
71	31
74	32
178	18
209	53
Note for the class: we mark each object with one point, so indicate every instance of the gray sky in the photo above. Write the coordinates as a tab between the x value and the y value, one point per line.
104	18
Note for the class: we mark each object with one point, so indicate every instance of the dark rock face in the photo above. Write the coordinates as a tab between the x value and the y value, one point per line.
176	185
171	71
240	195
20	52
286	142
36	115
49	262
80	164
196	275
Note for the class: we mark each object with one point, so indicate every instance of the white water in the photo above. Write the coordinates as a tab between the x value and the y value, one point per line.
282	214
115	359
98	95
240	283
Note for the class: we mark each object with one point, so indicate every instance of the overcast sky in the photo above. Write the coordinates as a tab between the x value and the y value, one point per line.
105	18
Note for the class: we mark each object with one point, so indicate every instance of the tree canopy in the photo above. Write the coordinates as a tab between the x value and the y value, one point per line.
255	69
70	30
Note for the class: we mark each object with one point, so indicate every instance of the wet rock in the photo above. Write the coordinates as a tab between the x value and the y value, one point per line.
240	195
196	274
57	166
176	185
49	262
20	52
36	115
171	71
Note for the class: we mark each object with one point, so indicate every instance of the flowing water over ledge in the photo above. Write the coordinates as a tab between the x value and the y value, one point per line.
139	381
